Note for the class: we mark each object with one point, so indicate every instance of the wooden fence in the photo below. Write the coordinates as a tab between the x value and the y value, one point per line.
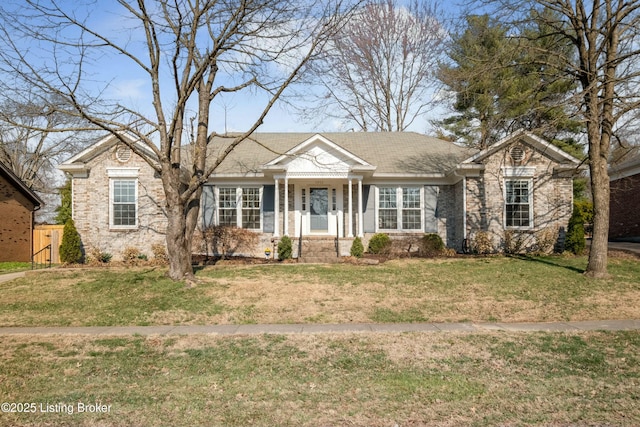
44	235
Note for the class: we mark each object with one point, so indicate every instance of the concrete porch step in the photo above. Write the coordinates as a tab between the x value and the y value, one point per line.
317	250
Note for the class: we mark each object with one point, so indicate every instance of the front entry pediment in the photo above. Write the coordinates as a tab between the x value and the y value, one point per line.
317	155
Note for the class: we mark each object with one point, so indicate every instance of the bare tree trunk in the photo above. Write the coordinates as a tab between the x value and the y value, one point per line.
597	266
179	244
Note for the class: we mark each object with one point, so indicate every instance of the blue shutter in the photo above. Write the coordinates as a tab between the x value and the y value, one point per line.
369	206
268	208
208	206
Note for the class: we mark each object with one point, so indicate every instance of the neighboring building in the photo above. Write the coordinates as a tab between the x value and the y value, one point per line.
342	185
17	206
624	215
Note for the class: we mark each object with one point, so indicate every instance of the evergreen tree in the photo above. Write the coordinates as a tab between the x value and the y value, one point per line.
503	83
71	247
64	210
575	241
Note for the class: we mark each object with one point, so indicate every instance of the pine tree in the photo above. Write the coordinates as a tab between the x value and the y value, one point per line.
64	210
71	247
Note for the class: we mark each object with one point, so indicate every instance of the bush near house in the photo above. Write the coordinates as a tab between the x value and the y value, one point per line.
575	241
357	248
71	247
285	248
379	244
431	245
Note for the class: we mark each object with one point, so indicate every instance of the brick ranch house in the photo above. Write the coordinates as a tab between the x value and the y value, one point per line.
624	219
315	187
18	204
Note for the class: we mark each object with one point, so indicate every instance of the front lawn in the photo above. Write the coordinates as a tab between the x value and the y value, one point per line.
411	290
12	267
413	379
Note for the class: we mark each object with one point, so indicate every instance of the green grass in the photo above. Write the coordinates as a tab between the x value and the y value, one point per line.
483	379
12	267
451	290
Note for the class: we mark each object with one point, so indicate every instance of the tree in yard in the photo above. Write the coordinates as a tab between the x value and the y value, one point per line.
64	211
605	38
499	86
71	246
376	73
34	137
188	53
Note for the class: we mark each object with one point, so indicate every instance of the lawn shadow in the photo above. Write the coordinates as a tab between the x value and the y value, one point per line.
548	261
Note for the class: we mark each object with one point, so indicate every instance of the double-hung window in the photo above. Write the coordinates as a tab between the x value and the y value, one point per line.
399	208
518	203
227	206
123	198
251	207
387	208
239	207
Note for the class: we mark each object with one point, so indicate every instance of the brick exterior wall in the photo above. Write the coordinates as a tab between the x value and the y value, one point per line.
552	199
624	220
91	208
16	225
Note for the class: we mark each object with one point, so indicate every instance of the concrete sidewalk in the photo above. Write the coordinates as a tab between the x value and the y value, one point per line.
604	325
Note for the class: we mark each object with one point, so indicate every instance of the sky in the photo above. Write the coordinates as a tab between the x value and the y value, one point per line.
234	113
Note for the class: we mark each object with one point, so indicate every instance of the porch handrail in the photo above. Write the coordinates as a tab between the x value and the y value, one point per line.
37	255
300	238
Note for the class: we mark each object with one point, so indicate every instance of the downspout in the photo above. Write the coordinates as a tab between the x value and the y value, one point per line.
464	209
33	226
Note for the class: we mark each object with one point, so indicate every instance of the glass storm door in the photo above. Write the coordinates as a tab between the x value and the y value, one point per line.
319	208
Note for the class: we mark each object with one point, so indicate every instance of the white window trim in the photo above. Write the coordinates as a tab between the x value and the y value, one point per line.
112	180
504	198
399	208
238	189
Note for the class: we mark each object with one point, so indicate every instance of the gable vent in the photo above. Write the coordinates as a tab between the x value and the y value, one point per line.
123	153
517	153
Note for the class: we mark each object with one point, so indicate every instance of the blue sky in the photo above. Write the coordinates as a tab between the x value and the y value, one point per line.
126	82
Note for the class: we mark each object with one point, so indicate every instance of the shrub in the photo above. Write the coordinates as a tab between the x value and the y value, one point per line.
130	255
379	244
481	243
546	239
97	256
227	240
71	246
431	245
285	248
357	249
575	241
514	242
159	253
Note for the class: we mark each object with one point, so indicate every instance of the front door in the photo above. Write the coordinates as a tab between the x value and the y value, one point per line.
319	209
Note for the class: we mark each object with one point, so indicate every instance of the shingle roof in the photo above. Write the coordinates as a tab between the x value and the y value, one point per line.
390	152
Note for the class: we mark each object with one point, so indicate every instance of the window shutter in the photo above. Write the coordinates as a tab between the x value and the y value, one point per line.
208	206
268	208
430	208
369	206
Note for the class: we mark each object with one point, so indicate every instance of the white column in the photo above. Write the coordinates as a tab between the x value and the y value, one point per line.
286	206
276	213
350	214
360	216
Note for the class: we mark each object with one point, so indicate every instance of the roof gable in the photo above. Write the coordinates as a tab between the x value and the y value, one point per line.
527	138
318	154
77	162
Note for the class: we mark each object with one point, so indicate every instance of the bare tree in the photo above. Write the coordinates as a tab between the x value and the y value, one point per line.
376	73
606	37
190	52
33	139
